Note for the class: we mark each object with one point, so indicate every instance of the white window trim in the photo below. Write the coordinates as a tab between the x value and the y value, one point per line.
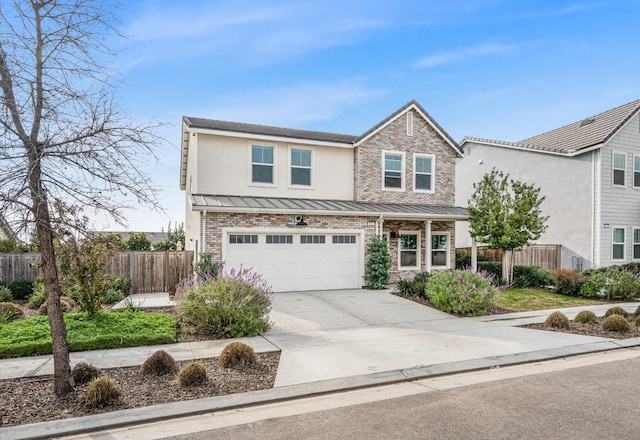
418	256
633	243
433	173
402	171
613	155
312	168
624	243
447	251
633	169
275	165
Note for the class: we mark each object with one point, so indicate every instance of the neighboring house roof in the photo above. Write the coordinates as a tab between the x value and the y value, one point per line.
275	205
575	138
411	105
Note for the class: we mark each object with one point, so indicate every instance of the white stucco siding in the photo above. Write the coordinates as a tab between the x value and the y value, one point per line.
620	205
192	219
224	167
565	182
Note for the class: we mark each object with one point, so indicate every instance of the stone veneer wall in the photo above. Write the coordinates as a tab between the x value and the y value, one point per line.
425	140
213	232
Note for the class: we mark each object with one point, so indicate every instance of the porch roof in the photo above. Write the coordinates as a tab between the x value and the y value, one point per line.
276	205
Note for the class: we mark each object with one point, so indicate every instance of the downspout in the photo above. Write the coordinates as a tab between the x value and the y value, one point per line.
203	231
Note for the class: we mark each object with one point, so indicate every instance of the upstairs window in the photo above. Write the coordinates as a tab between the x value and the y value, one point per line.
636	171
423	173
300	167
619	167
393	171
261	164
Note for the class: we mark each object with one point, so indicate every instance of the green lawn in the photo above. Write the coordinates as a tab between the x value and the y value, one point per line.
522	300
128	328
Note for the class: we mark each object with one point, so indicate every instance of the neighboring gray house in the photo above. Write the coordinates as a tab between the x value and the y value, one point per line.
589	172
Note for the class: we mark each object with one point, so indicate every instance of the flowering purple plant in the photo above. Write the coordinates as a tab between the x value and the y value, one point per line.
462	291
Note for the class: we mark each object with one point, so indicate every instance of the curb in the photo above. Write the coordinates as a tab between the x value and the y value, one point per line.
127	417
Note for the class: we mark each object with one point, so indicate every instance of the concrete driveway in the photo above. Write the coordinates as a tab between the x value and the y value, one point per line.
333	334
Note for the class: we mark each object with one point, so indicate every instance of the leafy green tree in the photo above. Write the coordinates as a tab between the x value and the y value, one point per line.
112	240
175	239
138	241
378	264
8	246
505	214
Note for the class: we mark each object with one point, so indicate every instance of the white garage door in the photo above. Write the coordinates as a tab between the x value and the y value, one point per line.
321	260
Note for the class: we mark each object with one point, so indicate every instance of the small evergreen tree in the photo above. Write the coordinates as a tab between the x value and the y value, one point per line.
138	241
378	264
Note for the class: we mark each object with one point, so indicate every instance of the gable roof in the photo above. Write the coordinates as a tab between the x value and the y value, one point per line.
577	137
239	127
411	105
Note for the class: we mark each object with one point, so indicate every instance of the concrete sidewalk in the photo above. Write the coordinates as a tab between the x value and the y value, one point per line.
340	340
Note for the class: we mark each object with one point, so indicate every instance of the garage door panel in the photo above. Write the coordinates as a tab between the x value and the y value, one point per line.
300	266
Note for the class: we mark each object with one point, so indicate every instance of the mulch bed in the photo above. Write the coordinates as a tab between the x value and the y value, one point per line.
31	400
495	310
592	329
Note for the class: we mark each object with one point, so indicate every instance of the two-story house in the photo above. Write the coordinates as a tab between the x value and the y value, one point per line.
300	206
589	172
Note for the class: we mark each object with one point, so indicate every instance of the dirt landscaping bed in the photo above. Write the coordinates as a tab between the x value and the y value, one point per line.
591	329
31	400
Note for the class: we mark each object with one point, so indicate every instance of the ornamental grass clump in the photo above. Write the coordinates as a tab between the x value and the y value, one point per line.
192	374
586	317
237	354
557	320
158	363
83	372
617	310
616	323
101	392
232	304
464	292
10	312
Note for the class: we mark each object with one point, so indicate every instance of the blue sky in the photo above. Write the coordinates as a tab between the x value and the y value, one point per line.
498	69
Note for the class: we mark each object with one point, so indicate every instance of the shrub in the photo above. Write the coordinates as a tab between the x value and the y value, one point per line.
637	312
66	304
638	320
530	276
615	323
5	294
102	391
112	296
617	310
121	284
37	296
159	363
378	263
462	291
568	281
493	268
414	287
205	265
557	320
590	289
237	354
233	304
621	285
83	373
586	317
10	312
192	374
21	288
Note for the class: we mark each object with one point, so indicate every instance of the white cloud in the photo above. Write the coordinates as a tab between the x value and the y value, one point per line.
296	106
460	55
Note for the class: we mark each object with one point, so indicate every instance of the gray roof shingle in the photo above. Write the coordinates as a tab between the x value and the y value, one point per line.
577	136
239	127
336	207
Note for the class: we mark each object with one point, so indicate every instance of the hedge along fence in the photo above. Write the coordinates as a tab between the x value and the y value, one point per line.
157	271
547	257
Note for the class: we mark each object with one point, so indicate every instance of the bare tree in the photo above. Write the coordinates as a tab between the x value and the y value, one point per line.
62	136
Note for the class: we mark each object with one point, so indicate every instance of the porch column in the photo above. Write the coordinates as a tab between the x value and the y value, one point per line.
203	239
474	254
427	258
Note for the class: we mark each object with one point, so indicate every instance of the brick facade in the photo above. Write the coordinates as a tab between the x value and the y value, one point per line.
368	173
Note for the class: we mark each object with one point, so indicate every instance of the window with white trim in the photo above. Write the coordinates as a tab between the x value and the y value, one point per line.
300	167
409	250
636	171
393	169
636	243
619	169
439	249
261	164
410	124
618	244
423	172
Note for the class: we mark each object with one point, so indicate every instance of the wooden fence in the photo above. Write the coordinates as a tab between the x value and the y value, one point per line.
545	256
149	271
